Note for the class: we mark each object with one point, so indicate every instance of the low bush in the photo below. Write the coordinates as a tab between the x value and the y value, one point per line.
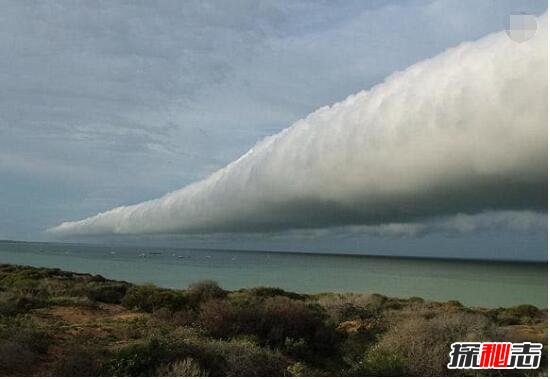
83	302
272	292
351	349
524	310
348	311
520	314
107	293
16	358
244	359
184	317
218	317
204	290
79	361
278	322
133	329
382	363
20	347
149	298
301	369
140	359
13	304
192	356
421	345
350	306
187	367
284	318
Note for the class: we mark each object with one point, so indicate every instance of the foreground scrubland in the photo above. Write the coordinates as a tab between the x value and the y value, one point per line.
61	323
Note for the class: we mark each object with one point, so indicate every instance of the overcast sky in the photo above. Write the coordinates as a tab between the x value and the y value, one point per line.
113	103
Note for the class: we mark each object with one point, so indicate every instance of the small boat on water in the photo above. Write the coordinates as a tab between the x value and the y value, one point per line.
143	255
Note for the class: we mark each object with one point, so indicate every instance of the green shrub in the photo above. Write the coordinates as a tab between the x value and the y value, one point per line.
25	332
244	359
220	319
184	317
284	318
83	302
352	348
524	310
422	344
349	311
12	304
149	298
296	347
454	304
107	293
278	322
520	314
79	361
16	359
297	369
272	292
383	363
204	290
21	346
301	369
245	339
194	356
186	368
416	299
141	359
133	329
350	306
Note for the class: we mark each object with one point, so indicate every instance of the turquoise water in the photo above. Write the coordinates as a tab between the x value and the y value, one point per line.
481	283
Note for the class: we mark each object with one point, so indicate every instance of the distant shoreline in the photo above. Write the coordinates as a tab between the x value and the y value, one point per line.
482	283
382	256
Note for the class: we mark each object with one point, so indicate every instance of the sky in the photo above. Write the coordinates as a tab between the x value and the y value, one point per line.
106	104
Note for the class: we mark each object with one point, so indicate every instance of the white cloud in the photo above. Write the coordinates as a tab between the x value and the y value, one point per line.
463	132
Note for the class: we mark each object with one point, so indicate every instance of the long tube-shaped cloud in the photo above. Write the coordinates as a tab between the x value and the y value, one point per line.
463	132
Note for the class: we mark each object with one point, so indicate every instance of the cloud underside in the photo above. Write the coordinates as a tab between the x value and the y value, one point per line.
510	221
462	133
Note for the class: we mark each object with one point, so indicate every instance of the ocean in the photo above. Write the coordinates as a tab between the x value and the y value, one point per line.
473	283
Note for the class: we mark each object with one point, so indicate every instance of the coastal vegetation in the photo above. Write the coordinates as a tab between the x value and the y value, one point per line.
61	323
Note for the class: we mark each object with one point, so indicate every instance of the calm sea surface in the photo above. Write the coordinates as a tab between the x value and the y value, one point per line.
488	284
